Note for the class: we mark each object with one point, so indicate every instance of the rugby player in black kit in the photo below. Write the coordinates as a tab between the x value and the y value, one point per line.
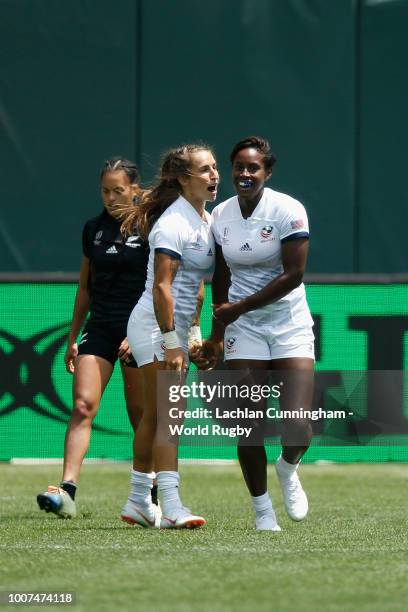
112	279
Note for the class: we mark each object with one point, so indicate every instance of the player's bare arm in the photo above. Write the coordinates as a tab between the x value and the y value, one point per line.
194	338
212	349
165	270
294	257
81	309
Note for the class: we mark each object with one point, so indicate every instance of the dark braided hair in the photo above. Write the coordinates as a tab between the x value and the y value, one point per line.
121	163
260	144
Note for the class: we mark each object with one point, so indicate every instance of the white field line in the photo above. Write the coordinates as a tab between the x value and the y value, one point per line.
54	461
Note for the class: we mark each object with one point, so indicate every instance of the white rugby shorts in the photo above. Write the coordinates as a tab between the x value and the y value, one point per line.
245	339
145	338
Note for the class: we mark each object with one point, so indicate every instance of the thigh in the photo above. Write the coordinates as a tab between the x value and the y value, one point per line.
253	373
134	393
294	377
297	376
149	378
91	376
132	383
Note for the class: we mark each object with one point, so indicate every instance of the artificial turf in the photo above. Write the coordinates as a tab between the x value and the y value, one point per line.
350	553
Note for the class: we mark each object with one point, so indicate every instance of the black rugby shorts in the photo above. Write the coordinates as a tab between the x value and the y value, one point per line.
103	340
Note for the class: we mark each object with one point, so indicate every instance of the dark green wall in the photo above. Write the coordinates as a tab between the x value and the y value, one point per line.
383	186
325	81
68	99
276	68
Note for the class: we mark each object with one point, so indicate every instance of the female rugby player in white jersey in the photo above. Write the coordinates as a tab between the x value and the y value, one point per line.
173	215
262	244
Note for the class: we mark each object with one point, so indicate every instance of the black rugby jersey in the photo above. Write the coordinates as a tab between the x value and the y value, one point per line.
118	267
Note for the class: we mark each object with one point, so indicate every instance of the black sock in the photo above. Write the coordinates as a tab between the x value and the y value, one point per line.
154	495
70	487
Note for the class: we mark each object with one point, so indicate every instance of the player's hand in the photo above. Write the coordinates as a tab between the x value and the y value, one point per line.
124	352
194	352
210	355
70	355
228	312
175	359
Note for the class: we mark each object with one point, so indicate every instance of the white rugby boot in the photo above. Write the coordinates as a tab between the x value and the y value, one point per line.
58	501
182	518
294	497
146	515
267	521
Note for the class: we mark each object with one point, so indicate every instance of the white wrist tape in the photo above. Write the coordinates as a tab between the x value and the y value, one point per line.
194	336
171	340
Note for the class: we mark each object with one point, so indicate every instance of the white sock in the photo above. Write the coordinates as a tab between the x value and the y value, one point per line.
168	485
286	469
140	487
262	503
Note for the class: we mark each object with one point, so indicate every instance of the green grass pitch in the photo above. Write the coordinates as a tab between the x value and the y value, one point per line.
351	552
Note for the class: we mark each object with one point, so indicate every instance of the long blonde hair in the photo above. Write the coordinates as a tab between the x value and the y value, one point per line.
153	202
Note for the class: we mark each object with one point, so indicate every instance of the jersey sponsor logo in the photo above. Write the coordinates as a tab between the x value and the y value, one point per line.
210	252
245	248
132	242
297	224
112	250
266	233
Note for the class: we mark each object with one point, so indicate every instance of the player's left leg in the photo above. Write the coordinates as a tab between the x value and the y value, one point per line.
139	509
91	376
134	395
175	514
252	455
133	391
296	394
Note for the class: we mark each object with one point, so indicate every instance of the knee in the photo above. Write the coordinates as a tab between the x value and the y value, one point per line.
84	408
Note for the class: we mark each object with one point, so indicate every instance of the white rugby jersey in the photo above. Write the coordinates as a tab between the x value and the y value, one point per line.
183	234
252	250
